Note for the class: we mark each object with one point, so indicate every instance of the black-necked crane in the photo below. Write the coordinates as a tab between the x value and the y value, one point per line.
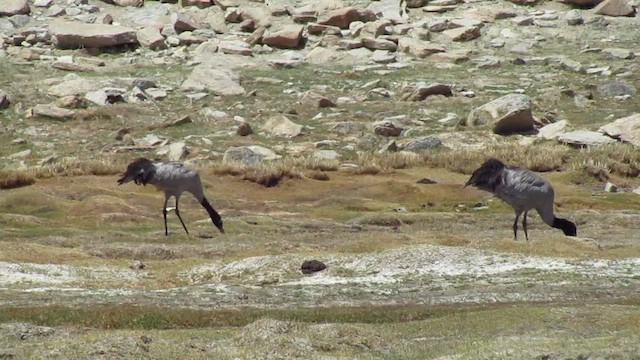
523	190
173	178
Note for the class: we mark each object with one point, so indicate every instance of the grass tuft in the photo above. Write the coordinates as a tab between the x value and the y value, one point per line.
15	179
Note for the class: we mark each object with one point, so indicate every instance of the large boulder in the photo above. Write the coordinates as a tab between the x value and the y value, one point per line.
14	7
508	114
626	129
615	8
288	37
73	35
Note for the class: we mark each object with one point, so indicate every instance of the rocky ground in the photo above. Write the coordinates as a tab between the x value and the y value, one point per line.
337	131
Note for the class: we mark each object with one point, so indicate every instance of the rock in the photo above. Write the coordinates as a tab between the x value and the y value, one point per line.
125	3
574	18
183	22
201	4
280	125
613	89
218	81
422	91
235	47
418	48
340	17
4	100
626	129
585	138
20	155
71	102
73	84
582	3
553	130
423	143
177	151
316	100
508	114
348	127
610	187
105	96
391	10
42	3
312	266
619	53
326	155
386	128
379	44
465	33
149	36
288	37
52	111
244	129
249	155
14	7
74	35
615	8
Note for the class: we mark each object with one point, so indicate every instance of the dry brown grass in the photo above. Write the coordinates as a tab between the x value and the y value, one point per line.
16	178
319	175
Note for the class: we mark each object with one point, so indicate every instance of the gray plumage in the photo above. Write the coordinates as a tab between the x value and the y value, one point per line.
173	178
523	190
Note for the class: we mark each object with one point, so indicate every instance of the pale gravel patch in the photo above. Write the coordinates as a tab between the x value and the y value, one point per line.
30	273
392	266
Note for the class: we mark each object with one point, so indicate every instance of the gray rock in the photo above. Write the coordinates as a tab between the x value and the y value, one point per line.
280	125
619	53
613	89
626	129
465	33
177	151
585	138
615	8
421	91
610	187
219	81
423	143
508	114
418	48
574	18
553	130
105	96
249	155
52	111
326	154
386	128
348	127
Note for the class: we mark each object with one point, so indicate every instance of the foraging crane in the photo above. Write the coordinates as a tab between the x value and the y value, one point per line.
173	178
523	190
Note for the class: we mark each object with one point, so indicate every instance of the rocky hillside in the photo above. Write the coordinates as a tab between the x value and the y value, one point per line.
426	74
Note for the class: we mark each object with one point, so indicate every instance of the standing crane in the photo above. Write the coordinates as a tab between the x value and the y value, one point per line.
173	178
523	190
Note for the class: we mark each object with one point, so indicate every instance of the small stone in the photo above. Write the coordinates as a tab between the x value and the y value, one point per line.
610	187
137	265
244	129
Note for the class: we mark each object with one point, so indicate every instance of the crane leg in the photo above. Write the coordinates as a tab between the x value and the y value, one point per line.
524	225
180	217
164	214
